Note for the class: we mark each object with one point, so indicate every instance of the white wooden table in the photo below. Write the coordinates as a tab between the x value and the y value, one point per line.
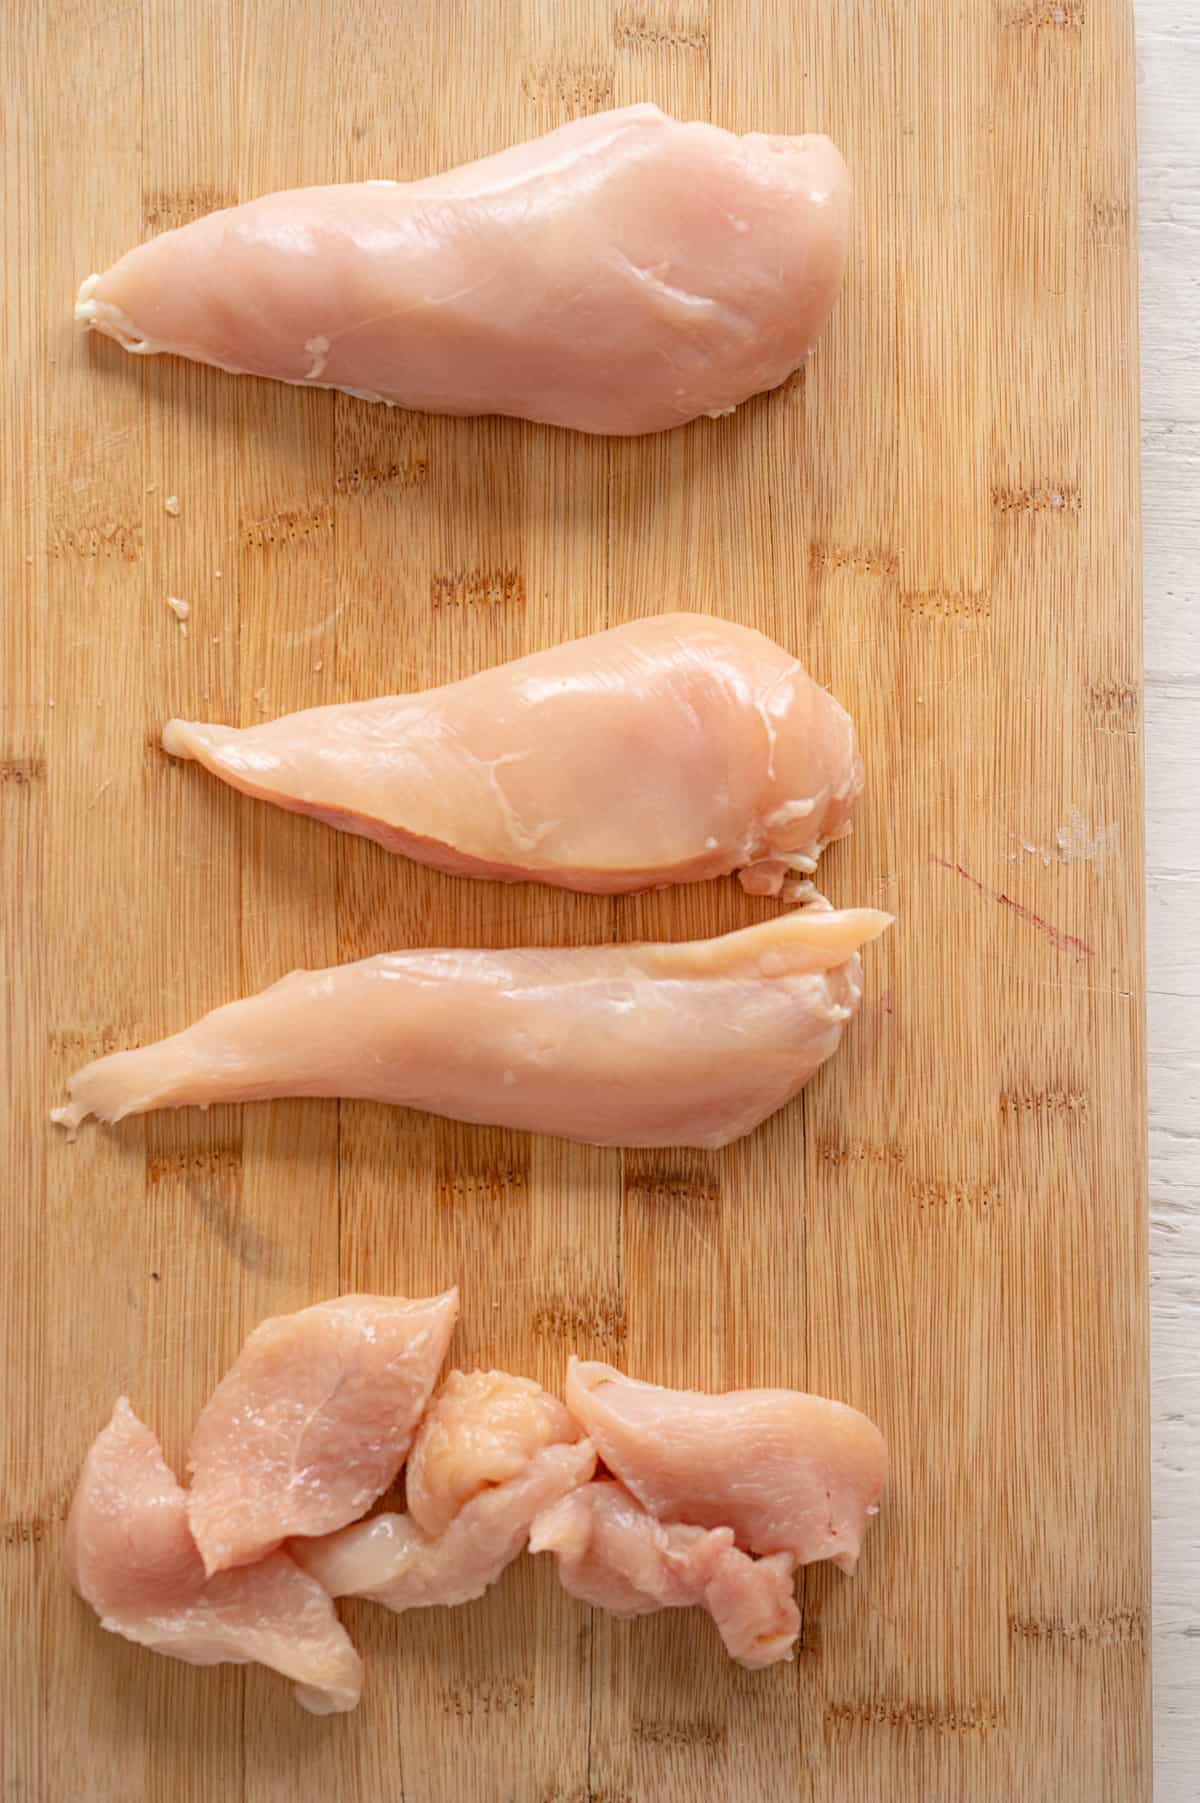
1169	183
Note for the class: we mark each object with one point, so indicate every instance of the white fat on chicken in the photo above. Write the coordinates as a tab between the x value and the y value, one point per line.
481	1429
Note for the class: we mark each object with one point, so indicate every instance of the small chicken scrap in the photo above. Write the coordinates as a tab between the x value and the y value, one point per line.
704	1500
614	1554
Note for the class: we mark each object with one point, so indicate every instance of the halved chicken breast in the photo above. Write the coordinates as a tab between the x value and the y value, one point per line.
131	1555
623	274
789	1473
613	1554
313	1421
667	750
643	1045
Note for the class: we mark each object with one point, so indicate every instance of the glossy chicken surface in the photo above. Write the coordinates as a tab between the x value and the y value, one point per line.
643	1045
313	1421
492	1452
482	1428
666	750
787	1472
624	274
131	1555
612	1553
704	1500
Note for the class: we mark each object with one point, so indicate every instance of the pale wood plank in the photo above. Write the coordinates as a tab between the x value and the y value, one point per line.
31	1509
286	571
97	935
461	544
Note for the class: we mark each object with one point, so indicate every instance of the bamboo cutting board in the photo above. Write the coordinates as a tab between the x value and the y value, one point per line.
948	1230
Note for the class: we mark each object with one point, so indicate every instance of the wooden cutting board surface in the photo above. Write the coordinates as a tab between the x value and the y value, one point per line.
948	1230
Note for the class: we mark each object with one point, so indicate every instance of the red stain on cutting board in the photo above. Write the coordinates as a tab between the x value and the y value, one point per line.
1063	942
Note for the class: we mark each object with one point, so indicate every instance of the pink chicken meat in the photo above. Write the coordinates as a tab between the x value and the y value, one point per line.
131	1555
787	1472
493	1452
645	1045
613	1554
667	750
481	1430
312	1422
624	274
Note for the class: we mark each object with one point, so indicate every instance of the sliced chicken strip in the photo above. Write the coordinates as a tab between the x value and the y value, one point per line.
644	1045
131	1555
613	1554
623	274
389	1560
313	1421
492	1451
789	1473
667	750
482	1428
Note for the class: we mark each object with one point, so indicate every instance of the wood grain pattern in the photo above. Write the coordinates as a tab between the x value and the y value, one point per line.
941	514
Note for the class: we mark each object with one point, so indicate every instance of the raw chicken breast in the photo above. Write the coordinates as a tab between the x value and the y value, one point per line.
130	1554
313	1421
667	750
642	1045
482	1428
624	274
389	1560
789	1473
615	1555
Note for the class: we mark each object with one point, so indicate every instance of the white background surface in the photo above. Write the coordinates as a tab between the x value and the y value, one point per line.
1168	34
